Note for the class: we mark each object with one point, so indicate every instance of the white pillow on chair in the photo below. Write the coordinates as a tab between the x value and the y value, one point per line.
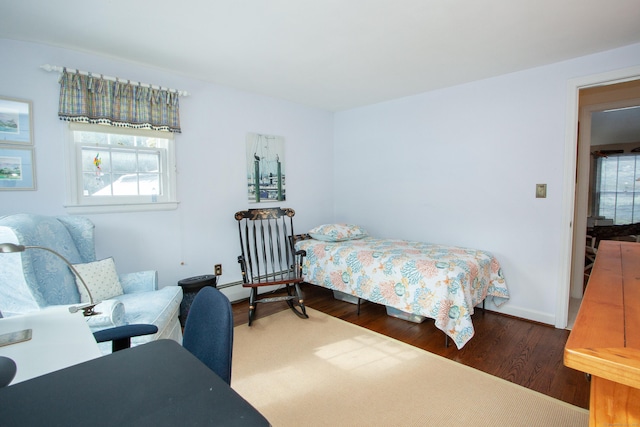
101	279
110	314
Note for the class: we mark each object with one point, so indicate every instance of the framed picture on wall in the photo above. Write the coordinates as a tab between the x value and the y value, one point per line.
16	121
17	169
265	168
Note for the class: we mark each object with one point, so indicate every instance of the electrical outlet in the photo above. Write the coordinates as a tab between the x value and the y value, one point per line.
217	270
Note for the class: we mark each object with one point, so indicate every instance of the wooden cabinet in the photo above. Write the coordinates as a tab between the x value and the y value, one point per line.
605	340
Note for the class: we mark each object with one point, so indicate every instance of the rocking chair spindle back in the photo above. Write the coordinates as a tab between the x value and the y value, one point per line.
268	256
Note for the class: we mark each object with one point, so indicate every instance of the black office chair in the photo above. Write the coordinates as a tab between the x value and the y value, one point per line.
7	371
120	336
208	332
269	258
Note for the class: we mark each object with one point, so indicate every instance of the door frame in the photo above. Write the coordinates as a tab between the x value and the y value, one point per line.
582	187
570	177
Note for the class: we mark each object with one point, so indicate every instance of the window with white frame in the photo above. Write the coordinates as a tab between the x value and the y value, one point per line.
120	169
617	188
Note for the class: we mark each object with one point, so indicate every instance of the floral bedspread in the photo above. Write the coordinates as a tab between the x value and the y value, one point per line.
436	281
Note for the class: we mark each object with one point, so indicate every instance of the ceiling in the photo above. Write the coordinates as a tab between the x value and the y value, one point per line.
330	54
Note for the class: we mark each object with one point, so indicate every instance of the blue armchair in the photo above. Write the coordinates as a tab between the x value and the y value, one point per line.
35	279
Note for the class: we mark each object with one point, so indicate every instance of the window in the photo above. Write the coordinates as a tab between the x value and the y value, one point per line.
120	169
617	194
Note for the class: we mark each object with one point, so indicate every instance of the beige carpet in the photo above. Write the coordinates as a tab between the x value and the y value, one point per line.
323	371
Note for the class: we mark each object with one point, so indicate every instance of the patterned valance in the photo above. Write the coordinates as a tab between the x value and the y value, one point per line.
93	99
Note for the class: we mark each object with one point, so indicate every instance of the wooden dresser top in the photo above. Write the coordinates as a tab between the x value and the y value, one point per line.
605	340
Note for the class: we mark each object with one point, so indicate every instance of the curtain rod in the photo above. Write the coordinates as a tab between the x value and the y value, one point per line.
59	69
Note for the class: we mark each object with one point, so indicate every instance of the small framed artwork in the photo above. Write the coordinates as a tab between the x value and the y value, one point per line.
17	169
265	168
16	121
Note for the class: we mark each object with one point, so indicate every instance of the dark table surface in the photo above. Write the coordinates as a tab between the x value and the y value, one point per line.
155	384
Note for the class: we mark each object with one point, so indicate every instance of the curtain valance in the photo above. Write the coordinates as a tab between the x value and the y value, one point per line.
92	99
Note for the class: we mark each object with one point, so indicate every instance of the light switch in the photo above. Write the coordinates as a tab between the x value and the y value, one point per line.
541	191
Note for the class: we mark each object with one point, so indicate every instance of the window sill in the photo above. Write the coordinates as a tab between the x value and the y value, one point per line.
112	208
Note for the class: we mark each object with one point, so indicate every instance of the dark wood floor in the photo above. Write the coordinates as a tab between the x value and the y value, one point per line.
523	352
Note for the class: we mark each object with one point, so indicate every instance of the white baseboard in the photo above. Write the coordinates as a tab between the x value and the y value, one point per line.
525	313
237	293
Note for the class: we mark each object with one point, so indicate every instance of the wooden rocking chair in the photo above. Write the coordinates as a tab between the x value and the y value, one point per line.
269	257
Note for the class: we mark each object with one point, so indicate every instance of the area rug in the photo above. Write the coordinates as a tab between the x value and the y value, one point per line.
323	371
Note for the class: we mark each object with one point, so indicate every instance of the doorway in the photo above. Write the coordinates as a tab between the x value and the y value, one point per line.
614	98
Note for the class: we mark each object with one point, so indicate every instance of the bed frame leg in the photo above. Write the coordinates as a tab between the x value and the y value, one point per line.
359	299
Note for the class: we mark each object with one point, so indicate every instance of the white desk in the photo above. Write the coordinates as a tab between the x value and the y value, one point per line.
59	339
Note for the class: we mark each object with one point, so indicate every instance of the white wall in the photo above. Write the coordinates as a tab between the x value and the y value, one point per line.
459	166
456	166
210	157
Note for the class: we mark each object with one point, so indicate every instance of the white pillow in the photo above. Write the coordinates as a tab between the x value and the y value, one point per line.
337	232
101	279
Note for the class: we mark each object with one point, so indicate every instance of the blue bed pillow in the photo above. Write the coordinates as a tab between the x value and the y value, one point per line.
337	232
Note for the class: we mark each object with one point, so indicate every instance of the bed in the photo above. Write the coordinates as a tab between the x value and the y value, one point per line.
418	279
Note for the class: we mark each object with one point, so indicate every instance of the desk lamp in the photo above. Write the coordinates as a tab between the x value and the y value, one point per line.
87	309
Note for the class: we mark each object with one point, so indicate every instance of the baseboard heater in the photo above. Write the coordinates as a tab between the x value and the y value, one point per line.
262	277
